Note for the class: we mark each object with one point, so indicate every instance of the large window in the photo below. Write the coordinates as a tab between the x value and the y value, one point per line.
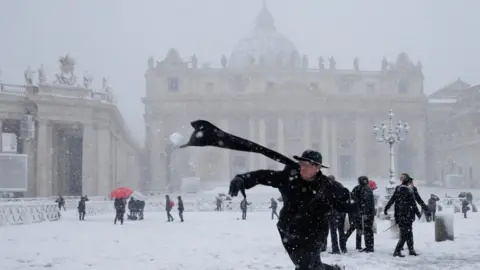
173	84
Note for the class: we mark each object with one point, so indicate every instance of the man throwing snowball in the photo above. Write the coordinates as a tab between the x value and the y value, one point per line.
308	196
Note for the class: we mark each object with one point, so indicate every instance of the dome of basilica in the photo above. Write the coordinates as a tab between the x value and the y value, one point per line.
264	46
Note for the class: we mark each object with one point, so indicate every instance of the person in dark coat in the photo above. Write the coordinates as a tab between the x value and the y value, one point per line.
140	208
132	207
405	211
243	207
362	196
418	199
336	222
432	206
119	204
82	207
308	196
61	203
168	207
180	208
273	206
465	207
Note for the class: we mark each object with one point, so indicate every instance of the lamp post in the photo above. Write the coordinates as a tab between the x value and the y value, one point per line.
391	134
174	141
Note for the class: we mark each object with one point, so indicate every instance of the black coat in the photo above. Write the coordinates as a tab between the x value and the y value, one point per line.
419	200
363	196
180	206
120	205
405	205
305	203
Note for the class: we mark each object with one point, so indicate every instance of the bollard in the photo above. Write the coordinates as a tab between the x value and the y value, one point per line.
394	230
444	228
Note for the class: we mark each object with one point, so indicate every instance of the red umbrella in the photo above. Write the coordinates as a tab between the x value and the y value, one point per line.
121	192
372	184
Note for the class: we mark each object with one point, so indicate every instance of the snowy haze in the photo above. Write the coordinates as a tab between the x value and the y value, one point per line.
114	38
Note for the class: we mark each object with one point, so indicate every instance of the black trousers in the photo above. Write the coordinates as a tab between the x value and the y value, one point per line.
119	216
169	216
244	214
305	254
406	235
81	214
362	225
336	223
180	214
274	212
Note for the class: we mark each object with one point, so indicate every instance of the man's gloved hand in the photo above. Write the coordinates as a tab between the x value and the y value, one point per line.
385	212
419	215
236	185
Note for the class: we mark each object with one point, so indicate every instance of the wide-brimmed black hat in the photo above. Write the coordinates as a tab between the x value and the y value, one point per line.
311	156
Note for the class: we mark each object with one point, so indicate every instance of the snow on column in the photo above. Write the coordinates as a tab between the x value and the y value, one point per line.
104	159
333	144
89	159
44	158
325	144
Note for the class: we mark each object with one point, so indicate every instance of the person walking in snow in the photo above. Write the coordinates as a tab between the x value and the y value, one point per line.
465	207
119	205
405	211
273	206
168	207
61	203
243	207
180	208
336	223
432	206
82	207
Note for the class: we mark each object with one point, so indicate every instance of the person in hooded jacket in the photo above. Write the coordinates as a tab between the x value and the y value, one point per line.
432	206
405	210
336	222
180	208
308	196
273	206
119	205
362	196
465	207
418	199
82	207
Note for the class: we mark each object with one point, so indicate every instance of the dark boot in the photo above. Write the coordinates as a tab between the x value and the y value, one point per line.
398	254
412	253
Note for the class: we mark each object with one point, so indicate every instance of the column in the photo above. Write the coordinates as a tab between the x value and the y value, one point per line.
326	154
360	151
262	139
104	161
89	159
307	133
281	140
252	158
113	161
29	150
226	165
334	148
419	141
44	158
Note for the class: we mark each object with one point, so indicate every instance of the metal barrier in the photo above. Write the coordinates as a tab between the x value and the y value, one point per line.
26	213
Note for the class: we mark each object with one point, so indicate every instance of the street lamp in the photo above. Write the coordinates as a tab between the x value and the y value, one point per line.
391	134
174	141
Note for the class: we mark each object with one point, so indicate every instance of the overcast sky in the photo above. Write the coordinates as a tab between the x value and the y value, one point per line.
114	38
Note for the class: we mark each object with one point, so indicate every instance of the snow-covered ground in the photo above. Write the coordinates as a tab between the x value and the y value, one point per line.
211	241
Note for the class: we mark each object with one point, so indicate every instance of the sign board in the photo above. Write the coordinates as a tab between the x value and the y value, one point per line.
13	172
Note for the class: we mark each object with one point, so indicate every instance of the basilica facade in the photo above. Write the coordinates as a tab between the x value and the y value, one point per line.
268	92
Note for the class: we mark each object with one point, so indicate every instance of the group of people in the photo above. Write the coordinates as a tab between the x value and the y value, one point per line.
169	204
314	204
136	208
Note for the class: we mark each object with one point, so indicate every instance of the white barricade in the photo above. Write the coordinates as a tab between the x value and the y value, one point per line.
25	213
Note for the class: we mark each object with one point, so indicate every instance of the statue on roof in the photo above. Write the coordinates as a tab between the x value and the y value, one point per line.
194	61
305	62
42	77
356	66
150	62
223	61
321	64
333	63
67	71
384	64
28	74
